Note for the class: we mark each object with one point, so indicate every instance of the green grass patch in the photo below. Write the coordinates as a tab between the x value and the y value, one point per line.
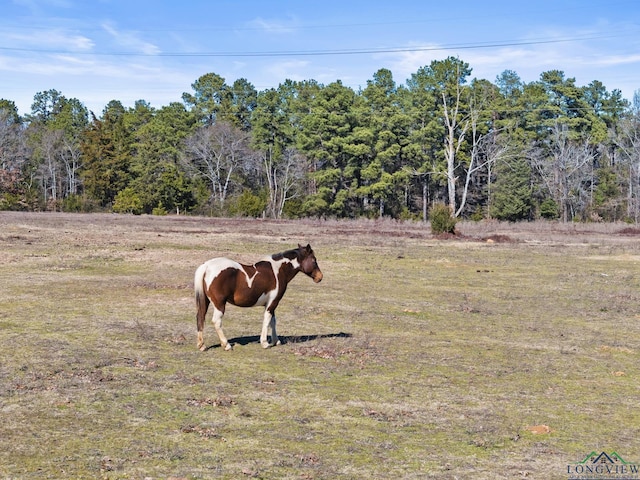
414	358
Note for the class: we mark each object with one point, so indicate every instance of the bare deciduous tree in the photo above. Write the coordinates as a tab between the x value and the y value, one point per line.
628	141
50	169
283	176
12	148
13	154
215	152
454	139
564	167
485	152
71	156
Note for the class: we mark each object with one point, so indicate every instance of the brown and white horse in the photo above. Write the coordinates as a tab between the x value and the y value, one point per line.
221	281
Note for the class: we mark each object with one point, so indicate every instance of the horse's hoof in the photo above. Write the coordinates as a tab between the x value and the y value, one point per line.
202	347
266	345
228	347
278	343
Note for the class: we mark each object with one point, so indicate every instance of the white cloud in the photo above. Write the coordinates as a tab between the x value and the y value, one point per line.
130	40
49	40
528	61
288	69
615	60
403	64
273	26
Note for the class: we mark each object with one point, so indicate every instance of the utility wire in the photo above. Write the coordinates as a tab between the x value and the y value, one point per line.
290	53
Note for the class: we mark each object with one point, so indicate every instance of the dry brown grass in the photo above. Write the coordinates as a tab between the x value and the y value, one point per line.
508	352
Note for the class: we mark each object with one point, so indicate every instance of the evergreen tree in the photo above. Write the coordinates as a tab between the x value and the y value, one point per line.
211	98
159	180
107	148
511	197
335	145
383	178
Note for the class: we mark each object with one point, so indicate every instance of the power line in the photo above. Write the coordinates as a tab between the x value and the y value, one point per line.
293	53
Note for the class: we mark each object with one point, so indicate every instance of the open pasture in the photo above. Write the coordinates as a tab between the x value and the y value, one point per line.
510	353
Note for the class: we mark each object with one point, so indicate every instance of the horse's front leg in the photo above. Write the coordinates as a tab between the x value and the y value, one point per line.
269	320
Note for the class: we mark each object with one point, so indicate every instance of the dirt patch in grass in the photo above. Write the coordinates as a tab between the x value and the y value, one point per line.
630	231
416	357
498	238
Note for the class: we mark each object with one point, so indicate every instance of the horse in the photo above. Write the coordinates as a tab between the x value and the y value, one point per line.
221	281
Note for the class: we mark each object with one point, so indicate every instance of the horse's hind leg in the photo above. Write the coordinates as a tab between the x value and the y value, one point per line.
202	303
201	346
274	336
217	323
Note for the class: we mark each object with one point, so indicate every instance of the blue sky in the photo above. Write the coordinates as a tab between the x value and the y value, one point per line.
101	50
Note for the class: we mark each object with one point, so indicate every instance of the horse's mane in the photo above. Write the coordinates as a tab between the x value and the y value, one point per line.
290	254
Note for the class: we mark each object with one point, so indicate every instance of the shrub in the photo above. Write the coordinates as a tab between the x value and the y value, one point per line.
248	205
478	214
549	209
292	208
73	203
159	210
441	219
127	201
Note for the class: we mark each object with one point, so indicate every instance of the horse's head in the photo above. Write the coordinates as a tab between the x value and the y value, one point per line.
308	263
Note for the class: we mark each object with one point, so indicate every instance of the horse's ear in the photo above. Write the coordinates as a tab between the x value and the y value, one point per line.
308	247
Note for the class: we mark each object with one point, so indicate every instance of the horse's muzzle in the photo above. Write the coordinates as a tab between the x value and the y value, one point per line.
317	276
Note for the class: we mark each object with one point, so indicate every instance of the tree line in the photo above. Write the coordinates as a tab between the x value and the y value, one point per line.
506	149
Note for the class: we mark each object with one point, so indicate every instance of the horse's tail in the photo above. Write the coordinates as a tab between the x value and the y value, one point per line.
202	301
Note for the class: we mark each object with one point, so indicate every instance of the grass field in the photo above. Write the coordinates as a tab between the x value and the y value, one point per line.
512	351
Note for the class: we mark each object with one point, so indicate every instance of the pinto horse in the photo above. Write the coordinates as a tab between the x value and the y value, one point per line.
221	281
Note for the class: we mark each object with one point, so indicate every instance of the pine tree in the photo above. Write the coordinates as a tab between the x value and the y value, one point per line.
512	191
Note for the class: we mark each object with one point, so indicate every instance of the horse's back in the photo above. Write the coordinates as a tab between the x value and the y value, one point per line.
217	265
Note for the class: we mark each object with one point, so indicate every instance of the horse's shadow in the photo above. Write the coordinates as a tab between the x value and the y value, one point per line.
284	339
